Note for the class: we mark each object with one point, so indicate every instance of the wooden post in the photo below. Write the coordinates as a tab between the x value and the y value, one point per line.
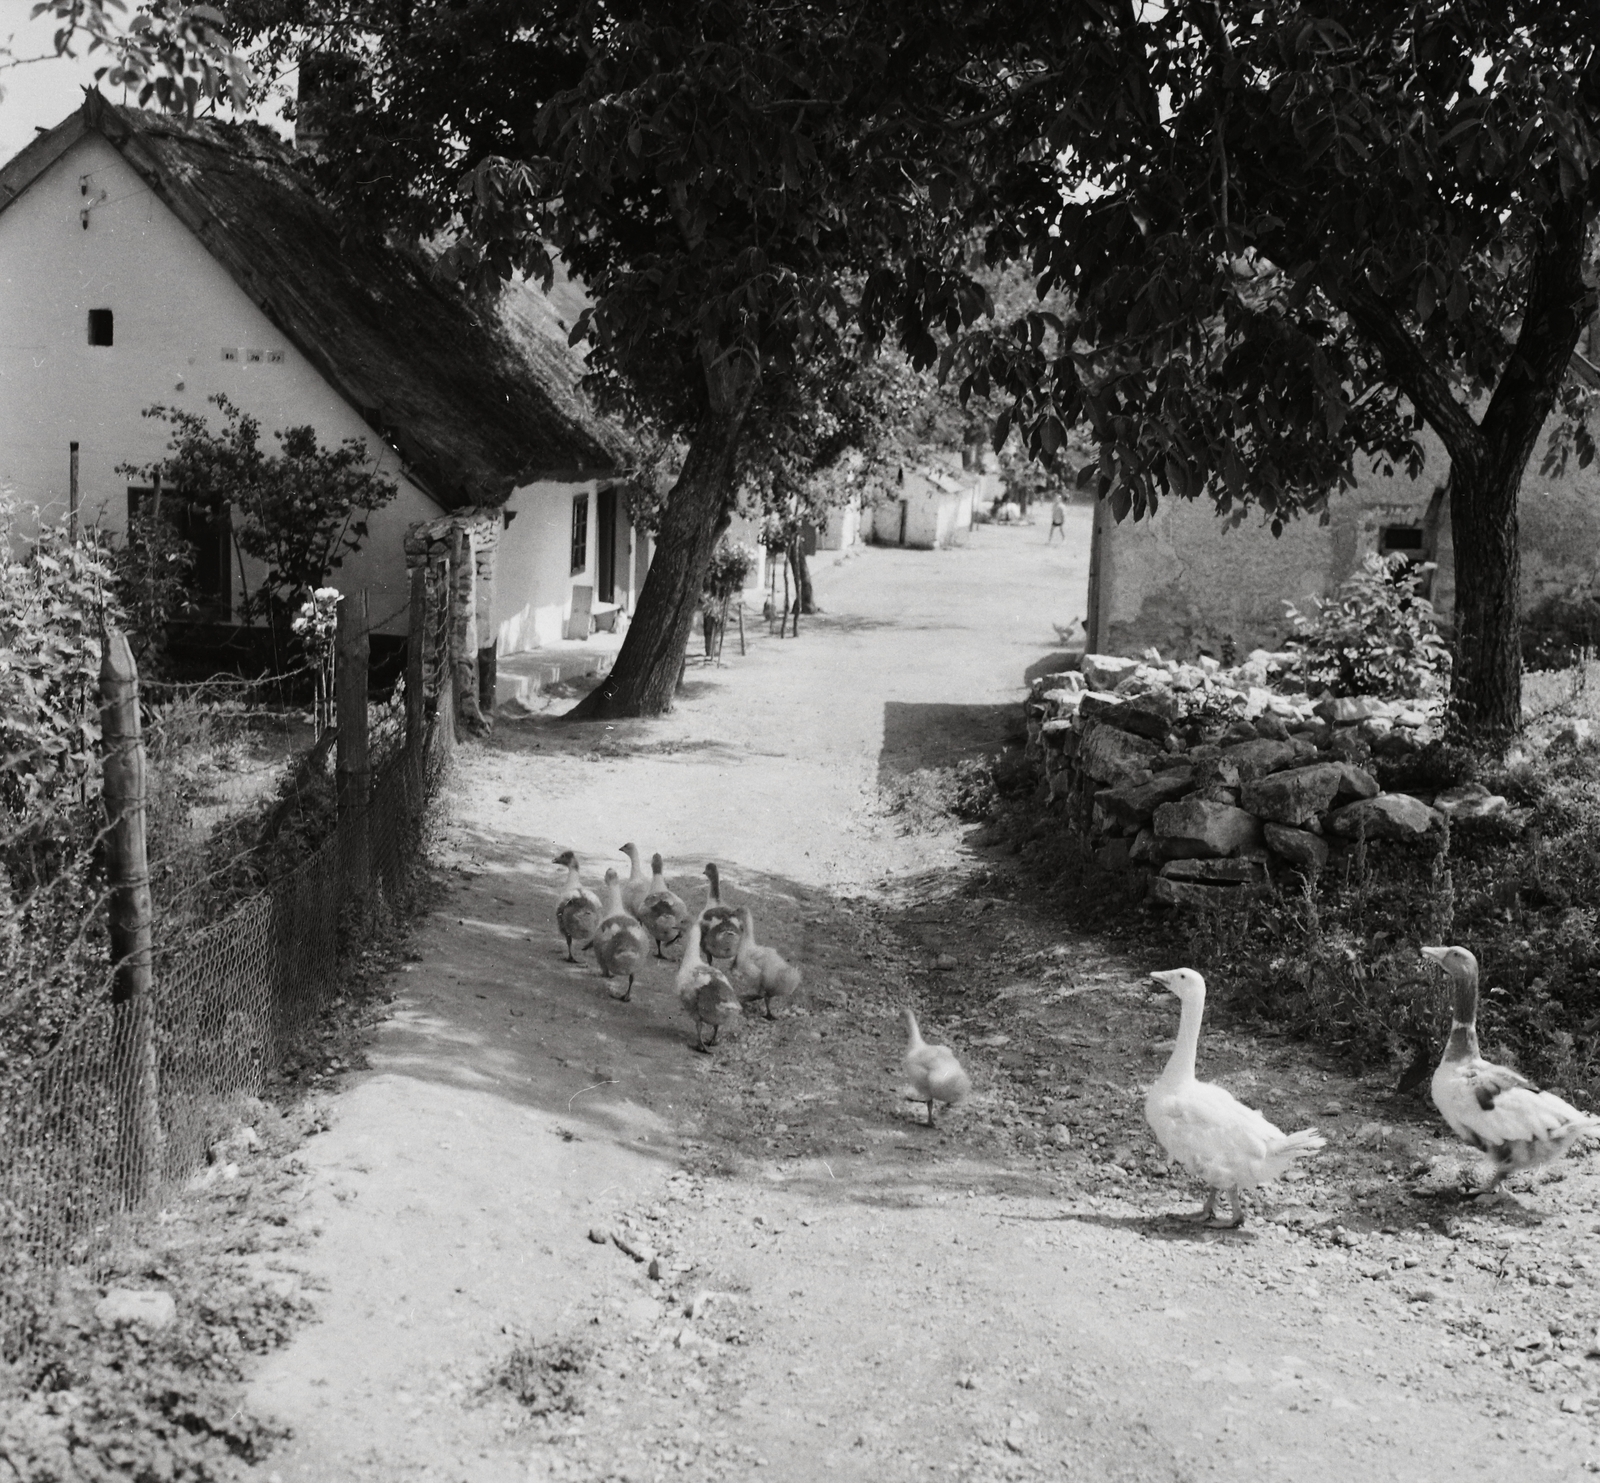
72	490
416	638
353	767
131	913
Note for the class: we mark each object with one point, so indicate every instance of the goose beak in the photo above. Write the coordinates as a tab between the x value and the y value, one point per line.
1437	954
1162	979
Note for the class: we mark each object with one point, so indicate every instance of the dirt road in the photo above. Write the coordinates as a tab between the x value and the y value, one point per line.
837	1291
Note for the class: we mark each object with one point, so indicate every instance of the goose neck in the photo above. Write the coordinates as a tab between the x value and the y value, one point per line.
1463	1042
574	881
1181	1066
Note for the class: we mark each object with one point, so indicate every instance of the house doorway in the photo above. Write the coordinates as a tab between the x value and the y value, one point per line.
606	543
207	529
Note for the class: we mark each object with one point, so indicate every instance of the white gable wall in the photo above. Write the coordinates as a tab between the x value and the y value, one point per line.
175	309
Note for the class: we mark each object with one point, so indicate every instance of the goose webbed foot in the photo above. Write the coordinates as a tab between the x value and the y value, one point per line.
627	996
1236	1200
570	958
715	1030
1207	1213
766	1009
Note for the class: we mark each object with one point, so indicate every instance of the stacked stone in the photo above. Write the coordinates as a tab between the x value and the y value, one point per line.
458	551
1275	783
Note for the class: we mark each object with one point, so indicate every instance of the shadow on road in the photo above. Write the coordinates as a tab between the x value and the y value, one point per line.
932	735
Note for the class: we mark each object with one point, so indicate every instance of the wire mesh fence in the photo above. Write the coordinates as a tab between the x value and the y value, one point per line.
124	1103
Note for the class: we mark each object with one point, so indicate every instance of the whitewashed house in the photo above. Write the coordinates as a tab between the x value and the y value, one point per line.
150	260
929	507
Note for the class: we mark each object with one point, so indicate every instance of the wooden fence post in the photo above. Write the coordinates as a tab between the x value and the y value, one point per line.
416	640
135	1072
353	767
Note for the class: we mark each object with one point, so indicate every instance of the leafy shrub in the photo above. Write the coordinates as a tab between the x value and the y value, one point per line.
56	596
1377	636
729	570
928	798
154	566
301	511
1560	631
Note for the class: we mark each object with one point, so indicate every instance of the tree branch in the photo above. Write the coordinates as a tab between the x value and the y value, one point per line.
1412	372
1558	307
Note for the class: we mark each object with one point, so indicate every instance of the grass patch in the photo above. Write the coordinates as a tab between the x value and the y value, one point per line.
926	800
544	1379
90	1401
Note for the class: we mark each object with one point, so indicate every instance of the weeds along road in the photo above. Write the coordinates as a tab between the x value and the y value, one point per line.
758	1263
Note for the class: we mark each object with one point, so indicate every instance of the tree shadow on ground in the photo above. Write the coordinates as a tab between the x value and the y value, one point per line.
816	1099
927	735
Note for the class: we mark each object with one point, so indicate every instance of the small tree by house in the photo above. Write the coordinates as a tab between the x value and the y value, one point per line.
301	511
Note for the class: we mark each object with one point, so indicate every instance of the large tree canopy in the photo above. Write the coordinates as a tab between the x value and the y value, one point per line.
719	175
1292	234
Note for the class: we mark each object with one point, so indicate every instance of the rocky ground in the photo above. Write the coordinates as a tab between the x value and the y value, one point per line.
545	1240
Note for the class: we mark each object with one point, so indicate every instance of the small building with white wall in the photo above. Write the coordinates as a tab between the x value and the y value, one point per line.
148	260
1188	581
927	507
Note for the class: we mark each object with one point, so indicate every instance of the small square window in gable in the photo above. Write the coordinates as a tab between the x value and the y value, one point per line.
100	326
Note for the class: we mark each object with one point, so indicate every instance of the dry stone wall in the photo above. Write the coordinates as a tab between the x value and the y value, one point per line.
1221	784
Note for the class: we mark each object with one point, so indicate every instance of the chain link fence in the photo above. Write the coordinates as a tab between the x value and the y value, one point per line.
127	1099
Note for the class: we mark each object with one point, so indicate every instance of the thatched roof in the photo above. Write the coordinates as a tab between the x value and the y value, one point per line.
476	404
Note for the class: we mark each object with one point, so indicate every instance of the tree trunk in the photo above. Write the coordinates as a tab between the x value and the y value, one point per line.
644	678
1487	682
1488	458
808	601
1486	688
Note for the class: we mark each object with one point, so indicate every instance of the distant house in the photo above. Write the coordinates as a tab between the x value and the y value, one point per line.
146	260
928	507
1187	581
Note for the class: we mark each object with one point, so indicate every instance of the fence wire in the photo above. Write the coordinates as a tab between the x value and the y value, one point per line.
123	1108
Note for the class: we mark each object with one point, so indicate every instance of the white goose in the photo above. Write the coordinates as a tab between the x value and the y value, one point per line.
577	907
621	945
1207	1130
936	1075
761	972
704	992
720	927
663	913
1492	1107
637	885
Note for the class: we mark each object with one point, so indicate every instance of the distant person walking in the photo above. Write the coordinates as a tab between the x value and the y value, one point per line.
1058	521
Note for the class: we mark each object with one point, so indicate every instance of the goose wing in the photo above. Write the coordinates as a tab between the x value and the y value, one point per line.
1212	1134
664	914
579	913
1492	1105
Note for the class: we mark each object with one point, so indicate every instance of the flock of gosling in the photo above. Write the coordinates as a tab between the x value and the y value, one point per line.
1228	1147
